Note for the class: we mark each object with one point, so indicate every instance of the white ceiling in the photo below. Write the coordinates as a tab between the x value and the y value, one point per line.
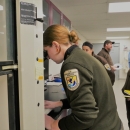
91	17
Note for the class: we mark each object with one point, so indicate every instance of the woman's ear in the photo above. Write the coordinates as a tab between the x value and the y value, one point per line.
56	45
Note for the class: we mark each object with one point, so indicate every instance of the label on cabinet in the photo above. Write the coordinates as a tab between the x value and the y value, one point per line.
27	13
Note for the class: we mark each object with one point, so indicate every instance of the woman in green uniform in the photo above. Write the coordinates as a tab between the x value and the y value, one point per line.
86	83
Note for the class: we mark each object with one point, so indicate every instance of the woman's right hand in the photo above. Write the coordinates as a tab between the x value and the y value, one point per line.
113	68
52	104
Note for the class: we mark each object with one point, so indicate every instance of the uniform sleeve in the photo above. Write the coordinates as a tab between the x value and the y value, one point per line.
107	67
82	101
102	55
101	59
66	104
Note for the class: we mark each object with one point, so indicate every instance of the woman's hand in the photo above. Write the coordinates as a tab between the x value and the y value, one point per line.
113	68
48	122
52	104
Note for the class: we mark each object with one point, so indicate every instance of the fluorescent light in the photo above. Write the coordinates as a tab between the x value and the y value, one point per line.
1	7
124	37
117	29
119	7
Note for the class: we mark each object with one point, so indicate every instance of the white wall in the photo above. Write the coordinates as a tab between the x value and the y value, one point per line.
123	43
55	68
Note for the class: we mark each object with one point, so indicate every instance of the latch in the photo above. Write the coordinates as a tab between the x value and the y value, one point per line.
10	67
38	19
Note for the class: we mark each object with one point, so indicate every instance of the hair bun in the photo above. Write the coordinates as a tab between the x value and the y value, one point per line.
73	37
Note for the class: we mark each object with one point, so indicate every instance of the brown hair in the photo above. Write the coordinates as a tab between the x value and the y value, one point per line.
74	36
58	33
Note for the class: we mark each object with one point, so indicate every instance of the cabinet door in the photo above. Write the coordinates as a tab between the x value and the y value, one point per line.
7	30
46	14
66	22
9	99
56	15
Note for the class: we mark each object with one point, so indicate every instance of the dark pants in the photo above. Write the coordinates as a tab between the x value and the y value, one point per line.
128	111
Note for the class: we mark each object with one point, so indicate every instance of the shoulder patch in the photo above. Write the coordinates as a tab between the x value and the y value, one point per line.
107	66
72	79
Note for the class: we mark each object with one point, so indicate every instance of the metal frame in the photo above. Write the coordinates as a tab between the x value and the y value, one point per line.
12	75
13	104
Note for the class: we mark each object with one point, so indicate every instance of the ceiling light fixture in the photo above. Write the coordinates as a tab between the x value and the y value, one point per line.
119	7
1	7
124	37
117	29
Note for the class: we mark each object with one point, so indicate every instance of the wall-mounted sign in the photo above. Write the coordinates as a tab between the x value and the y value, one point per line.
27	13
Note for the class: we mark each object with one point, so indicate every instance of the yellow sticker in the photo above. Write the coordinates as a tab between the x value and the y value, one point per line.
40	60
40	78
72	79
127	92
107	66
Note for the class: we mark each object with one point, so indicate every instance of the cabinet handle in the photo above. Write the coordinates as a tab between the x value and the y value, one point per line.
39	19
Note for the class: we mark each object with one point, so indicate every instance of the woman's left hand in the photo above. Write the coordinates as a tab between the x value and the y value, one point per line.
48	122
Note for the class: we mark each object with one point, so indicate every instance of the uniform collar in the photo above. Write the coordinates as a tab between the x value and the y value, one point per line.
69	50
105	50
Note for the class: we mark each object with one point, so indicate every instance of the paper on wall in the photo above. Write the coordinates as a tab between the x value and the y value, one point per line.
39	70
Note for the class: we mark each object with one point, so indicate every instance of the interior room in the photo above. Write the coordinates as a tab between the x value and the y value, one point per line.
27	79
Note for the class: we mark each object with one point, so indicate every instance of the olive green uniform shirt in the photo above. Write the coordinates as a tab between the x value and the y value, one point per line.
92	101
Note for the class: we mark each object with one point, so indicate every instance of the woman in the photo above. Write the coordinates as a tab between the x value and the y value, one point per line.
88	47
126	92
89	91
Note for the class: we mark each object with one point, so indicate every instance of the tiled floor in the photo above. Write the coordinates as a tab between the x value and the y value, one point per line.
120	100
